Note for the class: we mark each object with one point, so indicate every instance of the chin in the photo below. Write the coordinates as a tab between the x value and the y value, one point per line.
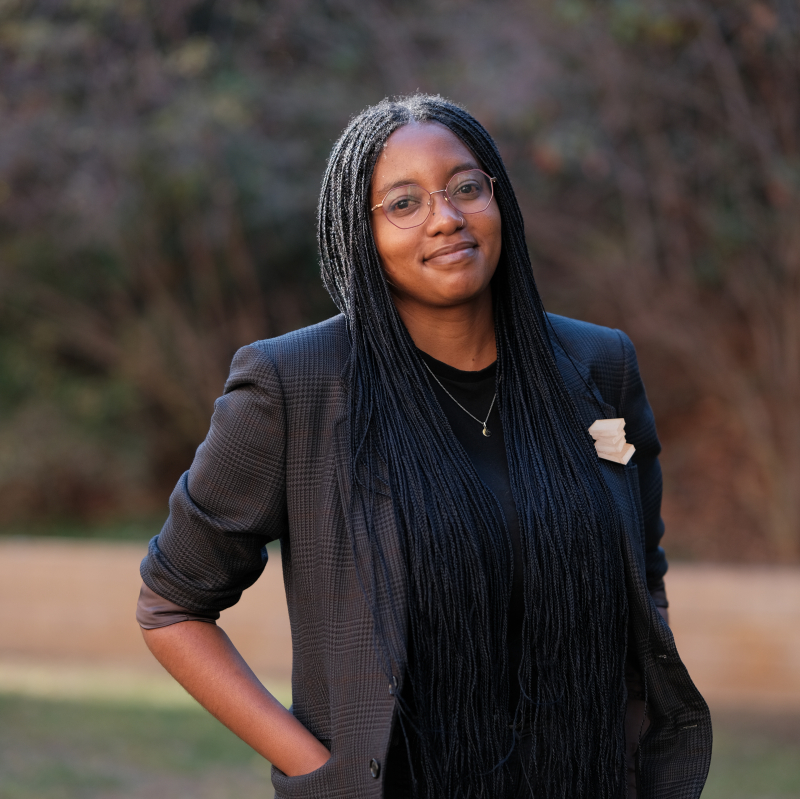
462	295
465	287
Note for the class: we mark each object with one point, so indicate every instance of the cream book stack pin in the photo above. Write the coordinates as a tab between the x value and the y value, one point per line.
609	440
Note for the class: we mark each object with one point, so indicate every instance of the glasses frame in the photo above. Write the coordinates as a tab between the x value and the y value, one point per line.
447	198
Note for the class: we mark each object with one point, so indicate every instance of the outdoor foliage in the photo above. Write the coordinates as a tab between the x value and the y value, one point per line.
159	165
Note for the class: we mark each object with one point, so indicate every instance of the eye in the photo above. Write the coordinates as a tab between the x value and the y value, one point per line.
403	204
403	201
467	189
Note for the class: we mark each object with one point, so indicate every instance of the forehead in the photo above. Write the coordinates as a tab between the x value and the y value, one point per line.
421	152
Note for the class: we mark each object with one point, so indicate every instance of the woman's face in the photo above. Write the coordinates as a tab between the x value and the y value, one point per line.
440	263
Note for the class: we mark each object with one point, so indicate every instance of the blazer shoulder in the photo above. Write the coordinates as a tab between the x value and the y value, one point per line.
317	353
591	344
321	349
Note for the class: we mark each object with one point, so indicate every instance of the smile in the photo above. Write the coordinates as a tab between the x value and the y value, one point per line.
452	253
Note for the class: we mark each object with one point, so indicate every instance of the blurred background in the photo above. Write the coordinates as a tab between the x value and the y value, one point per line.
159	169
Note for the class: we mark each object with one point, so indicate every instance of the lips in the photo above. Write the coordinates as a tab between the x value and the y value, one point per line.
450	249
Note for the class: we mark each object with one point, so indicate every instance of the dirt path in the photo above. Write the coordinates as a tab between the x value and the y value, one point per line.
70	602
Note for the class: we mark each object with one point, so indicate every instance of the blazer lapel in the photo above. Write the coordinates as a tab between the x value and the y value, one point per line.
380	566
579	383
622	481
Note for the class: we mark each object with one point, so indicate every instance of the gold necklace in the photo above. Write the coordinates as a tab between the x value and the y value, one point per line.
486	430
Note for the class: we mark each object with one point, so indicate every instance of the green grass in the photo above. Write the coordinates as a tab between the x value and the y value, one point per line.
756	756
134	530
70	749
120	530
56	749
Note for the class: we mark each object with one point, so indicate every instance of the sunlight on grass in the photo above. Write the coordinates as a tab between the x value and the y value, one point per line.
116	685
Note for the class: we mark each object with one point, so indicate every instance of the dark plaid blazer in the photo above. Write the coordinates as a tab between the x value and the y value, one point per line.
275	465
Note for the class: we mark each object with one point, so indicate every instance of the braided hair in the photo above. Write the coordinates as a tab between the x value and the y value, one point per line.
456	553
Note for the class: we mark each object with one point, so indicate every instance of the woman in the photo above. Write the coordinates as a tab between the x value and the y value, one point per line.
466	578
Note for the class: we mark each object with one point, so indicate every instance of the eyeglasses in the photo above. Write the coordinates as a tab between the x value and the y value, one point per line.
408	206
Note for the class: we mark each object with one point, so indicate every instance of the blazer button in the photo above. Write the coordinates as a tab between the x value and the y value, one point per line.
374	768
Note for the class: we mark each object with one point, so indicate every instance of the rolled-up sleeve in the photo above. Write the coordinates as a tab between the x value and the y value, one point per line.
640	430
232	501
153	611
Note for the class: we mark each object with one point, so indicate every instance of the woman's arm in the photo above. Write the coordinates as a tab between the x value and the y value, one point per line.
201	657
640	430
223	512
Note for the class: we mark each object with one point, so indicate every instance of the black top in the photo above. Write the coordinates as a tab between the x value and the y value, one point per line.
475	391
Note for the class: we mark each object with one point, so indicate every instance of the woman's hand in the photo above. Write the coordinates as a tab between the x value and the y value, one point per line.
201	657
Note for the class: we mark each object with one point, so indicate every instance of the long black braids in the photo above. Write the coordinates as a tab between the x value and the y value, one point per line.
455	549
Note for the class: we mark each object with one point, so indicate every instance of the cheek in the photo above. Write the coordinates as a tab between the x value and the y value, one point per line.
393	249
382	246
493	233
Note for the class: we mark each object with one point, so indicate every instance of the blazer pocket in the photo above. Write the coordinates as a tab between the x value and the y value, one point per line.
311	785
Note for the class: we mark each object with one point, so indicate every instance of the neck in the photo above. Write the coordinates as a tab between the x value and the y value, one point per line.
461	336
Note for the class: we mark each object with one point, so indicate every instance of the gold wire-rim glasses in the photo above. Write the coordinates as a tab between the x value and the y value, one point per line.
447	195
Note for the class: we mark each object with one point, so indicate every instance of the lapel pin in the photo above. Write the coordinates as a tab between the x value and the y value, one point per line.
609	440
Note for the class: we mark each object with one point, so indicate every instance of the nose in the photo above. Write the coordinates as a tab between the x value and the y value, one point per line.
444	204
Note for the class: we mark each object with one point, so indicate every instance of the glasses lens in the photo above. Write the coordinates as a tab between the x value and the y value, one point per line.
470	191
407	206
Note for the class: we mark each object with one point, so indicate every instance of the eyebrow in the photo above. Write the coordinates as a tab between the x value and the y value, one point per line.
385	189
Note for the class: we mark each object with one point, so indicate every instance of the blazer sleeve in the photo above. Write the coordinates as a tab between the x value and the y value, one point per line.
232	501
640	430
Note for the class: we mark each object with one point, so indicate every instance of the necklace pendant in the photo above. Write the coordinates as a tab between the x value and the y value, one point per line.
486	431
